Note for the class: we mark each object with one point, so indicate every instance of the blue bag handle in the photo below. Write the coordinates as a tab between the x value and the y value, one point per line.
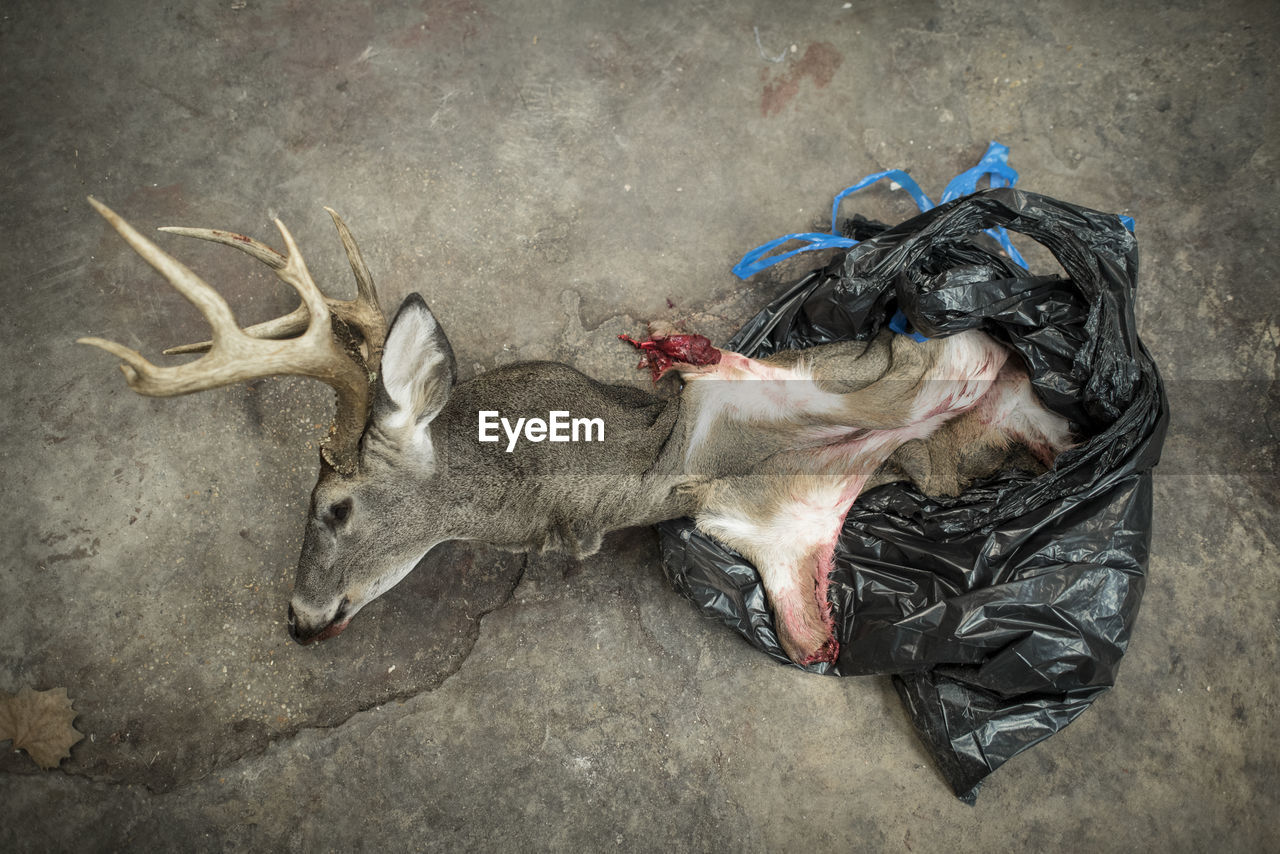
759	259
994	165
905	181
755	260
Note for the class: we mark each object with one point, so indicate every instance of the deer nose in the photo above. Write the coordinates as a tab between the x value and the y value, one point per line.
301	634
304	629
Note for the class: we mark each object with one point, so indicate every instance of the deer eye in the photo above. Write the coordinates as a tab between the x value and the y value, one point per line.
339	512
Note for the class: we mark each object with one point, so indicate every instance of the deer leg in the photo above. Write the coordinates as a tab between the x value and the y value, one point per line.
1012	411
787	526
798	593
924	386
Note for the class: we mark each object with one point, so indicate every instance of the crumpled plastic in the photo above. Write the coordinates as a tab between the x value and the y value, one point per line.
1002	613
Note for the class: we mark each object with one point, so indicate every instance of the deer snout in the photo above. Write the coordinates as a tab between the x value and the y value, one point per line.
307	628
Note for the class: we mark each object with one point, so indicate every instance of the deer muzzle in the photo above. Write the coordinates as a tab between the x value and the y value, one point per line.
306	634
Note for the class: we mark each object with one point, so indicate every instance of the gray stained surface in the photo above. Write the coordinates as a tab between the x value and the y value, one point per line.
549	175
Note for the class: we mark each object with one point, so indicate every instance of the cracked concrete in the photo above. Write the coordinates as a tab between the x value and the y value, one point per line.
548	176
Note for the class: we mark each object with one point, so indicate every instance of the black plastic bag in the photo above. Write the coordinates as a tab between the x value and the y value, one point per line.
1004	612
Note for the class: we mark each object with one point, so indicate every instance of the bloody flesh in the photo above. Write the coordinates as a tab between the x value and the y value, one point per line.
661	353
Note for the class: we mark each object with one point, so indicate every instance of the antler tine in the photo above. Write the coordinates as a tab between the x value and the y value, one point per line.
235	356
364	312
296	274
364	281
248	245
284	326
137	362
187	283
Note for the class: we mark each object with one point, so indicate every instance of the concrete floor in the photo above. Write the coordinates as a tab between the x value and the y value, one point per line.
548	175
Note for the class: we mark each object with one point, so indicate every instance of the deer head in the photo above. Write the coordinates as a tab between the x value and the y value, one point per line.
356	544
364	531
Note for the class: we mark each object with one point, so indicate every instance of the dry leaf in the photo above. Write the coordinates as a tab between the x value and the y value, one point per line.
39	722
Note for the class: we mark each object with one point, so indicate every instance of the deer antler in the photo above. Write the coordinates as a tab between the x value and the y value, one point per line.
358	318
327	349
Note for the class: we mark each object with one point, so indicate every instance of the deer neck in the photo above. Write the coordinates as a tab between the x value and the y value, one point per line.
525	491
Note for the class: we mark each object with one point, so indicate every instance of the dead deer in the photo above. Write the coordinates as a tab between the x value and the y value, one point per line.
766	455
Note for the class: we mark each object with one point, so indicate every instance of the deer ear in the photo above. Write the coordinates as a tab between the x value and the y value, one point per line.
418	368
